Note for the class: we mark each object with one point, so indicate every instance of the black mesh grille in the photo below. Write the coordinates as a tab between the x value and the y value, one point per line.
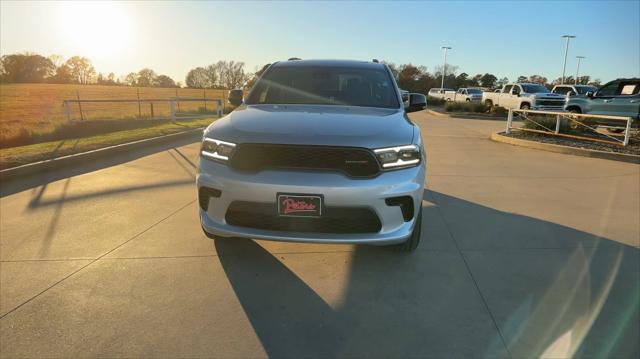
550	102
355	162
334	219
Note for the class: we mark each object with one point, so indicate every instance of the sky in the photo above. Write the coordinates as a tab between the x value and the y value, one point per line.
506	38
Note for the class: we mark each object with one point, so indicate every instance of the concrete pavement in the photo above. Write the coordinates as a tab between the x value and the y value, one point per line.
524	253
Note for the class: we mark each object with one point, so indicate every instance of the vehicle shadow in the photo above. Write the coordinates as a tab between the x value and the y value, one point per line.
442	302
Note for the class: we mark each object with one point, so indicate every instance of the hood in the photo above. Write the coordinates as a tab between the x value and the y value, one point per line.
314	125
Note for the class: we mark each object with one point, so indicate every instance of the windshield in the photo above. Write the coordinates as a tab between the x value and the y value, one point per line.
584	89
474	91
534	88
323	85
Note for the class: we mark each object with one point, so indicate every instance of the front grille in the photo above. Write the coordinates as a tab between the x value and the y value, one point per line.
550	102
334	219
354	162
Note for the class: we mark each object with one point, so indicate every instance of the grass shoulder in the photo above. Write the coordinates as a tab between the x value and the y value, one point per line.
17	156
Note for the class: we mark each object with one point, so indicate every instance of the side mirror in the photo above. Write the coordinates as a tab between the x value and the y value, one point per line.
589	94
405	96
235	97
417	102
570	93
517	94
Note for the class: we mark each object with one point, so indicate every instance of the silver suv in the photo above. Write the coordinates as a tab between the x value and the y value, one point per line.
319	151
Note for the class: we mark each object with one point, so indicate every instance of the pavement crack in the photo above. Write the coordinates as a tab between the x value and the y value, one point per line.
475	283
97	259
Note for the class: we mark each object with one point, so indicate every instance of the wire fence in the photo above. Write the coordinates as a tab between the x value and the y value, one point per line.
174	108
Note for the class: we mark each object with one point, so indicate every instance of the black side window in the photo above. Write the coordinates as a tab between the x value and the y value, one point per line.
507	89
561	90
608	89
516	90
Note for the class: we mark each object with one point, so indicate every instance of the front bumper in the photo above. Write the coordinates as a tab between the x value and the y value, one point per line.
337	190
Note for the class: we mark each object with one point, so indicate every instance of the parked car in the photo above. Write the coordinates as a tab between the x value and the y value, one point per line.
525	96
464	95
319	151
620	97
571	90
438	92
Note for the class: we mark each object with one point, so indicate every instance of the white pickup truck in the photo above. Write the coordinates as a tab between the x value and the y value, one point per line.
464	95
525	96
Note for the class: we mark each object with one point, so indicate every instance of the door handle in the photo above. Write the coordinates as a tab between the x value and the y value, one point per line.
607	101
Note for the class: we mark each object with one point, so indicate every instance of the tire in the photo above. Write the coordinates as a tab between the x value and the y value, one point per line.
411	244
448	100
468	100
615	130
488	103
572	124
525	106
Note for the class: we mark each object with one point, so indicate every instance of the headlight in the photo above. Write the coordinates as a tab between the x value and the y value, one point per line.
216	149
396	157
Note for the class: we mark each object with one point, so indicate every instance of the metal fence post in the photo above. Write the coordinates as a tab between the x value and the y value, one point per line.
139	110
177	99
151	105
220	108
509	120
172	108
204	98
557	124
627	132
79	105
67	110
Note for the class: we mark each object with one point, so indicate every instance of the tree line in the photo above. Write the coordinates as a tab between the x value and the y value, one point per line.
417	79
34	68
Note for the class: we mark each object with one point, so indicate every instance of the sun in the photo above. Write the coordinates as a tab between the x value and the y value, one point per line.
96	28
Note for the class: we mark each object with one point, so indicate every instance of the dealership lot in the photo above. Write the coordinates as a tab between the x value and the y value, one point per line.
524	253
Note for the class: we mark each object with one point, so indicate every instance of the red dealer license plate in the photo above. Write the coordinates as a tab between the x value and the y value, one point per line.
299	205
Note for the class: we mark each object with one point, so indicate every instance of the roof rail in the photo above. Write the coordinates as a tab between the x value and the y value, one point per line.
294	59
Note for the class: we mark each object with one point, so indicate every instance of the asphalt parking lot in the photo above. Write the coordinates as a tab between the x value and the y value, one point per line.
524	254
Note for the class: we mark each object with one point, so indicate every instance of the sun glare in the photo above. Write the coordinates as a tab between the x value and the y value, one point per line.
96	29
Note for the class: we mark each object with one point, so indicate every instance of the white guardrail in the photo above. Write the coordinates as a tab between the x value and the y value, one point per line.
576	118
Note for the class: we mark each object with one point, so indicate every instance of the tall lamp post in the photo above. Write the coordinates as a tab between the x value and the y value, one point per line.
578	68
566	51
444	68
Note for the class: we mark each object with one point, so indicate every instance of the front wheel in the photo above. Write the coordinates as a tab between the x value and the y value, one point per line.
615	130
488	103
412	243
468	100
573	125
525	106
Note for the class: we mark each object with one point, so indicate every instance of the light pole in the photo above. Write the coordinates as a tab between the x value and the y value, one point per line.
566	50
578	68
444	68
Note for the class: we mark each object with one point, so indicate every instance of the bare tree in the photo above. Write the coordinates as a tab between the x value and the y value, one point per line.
146	77
198	78
81	70
130	79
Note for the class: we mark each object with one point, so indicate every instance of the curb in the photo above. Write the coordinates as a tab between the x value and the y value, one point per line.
498	137
70	160
435	113
465	115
